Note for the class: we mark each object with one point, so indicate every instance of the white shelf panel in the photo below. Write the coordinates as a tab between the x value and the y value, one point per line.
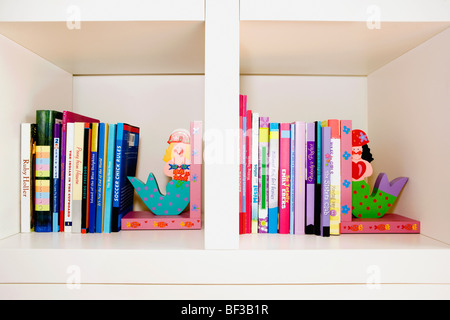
327	47
115	47
177	257
345	10
102	10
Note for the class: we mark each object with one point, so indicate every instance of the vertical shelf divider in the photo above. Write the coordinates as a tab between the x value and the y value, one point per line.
221	173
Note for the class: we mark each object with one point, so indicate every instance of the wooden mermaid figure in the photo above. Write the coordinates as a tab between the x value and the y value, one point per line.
177	167
368	204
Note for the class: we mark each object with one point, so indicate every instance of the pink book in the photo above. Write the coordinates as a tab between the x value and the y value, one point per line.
248	176
300	191
284	176
346	170
68	117
240	162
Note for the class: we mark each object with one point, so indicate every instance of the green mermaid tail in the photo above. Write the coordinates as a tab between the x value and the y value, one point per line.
375	205
173	203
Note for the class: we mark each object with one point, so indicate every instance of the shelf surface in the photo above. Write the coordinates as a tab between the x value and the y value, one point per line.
327	47
178	257
115	47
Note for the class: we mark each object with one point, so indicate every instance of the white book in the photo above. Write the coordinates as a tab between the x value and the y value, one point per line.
77	176
68	178
26	171
255	180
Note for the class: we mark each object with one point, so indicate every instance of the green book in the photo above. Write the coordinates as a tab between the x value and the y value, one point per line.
45	121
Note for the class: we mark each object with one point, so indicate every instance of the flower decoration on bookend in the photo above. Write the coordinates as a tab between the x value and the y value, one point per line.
368	204
177	167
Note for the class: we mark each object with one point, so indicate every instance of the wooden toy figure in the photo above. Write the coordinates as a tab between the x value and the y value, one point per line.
384	194
177	167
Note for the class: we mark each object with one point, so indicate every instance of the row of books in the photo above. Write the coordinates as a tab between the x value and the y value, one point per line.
295	178
74	173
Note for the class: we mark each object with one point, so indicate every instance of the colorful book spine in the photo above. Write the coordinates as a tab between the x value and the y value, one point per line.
284	180
254	164
263	212
318	185
300	148
68	192
274	144
109	177
241	154
45	120
248	174
86	173
335	177
325	182
346	170
93	177
310	176
28	136
78	146
127	146
292	209
101	172
67	117
244	166
56	175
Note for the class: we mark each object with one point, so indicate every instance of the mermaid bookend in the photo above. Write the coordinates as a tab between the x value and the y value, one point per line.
177	167
384	194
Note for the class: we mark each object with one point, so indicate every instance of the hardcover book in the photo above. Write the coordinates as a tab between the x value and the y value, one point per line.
101	174
93	178
68	188
27	155
248	174
294	218
300	158
284	179
254	164
56	175
86	172
310	176
127	146
77	175
273	176
335	177
45	121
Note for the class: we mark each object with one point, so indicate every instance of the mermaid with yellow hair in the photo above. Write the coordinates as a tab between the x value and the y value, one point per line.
177	167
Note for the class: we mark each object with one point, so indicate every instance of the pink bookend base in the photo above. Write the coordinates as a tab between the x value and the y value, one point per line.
389	223
146	220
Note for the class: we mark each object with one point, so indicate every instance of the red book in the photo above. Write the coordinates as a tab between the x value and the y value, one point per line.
240	162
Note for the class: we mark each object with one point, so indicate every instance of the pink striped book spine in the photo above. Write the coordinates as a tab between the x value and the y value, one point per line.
346	170
284	178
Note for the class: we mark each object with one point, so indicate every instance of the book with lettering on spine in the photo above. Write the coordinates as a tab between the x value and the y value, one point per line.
263	212
300	150
27	155
45	121
325	181
68	188
127	147
274	145
93	178
248	174
293	218
335	177
310	176
68	117
101	173
284	179
110	163
346	170
244	165
77	174
254	164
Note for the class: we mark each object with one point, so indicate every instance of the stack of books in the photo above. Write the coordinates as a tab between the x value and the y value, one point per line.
74	173
296	177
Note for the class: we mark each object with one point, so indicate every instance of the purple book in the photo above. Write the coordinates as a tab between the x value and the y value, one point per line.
326	159
310	176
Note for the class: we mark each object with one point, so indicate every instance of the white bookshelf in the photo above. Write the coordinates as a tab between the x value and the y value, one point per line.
162	64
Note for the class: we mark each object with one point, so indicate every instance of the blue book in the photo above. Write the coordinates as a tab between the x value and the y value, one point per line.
56	175
110	163
93	177
102	143
127	146
292	188
274	154
325	181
